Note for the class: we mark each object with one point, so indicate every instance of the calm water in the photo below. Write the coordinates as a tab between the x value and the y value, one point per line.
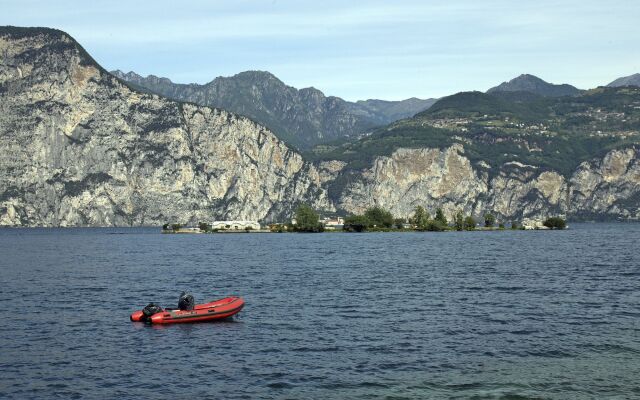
481	315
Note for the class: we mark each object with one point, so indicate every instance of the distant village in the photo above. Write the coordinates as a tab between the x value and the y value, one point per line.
328	223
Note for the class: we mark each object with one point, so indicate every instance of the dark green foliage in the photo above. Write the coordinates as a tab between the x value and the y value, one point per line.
555	223
356	223
204	227
379	217
469	223
307	220
165	227
478	104
436	226
440	217
458	221
420	218
501	226
514	225
176	227
489	220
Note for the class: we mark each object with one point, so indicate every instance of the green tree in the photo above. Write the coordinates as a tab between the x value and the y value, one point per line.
204	227
420	218
458	221
501	226
514	225
555	223
489	220
176	227
356	223
469	223
307	220
440	216
165	227
379	217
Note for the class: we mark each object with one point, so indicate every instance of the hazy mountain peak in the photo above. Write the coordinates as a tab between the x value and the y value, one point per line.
631	80
533	84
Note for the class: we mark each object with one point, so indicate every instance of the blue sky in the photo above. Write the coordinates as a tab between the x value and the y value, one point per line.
354	49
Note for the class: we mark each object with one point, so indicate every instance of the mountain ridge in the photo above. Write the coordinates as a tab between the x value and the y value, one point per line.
302	117
631	80
80	147
533	84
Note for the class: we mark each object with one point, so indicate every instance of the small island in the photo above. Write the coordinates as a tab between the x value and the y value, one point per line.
374	219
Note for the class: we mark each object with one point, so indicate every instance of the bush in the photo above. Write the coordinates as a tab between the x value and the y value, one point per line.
379	217
440	217
501	226
307	220
176	227
555	223
165	227
436	226
356	223
469	223
458	221
204	227
514	225
489	220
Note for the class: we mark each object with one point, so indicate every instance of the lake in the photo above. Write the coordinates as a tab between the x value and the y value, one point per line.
485	315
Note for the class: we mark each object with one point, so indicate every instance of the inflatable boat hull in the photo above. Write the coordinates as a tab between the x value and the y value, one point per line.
218	309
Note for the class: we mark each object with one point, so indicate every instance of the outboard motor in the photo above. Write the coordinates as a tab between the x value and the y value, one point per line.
150	310
186	302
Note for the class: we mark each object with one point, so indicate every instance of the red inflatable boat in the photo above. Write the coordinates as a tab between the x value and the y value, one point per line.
217	309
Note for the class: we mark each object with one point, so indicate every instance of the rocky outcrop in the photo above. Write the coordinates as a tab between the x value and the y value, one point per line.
79	147
601	189
302	118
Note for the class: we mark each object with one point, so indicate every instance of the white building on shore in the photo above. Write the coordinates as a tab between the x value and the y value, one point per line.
235	225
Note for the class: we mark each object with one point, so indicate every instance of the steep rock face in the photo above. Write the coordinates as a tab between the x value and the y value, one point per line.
608	187
411	177
446	178
79	147
303	118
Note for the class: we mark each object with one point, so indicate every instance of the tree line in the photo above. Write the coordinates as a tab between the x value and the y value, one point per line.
379	219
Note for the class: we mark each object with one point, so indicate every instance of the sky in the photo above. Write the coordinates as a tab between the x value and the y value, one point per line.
354	49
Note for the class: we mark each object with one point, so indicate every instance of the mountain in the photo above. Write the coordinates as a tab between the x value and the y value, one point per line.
631	80
533	84
79	146
302	118
514	153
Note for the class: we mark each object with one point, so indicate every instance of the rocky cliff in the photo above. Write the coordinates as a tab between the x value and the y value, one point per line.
606	188
80	147
302	118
